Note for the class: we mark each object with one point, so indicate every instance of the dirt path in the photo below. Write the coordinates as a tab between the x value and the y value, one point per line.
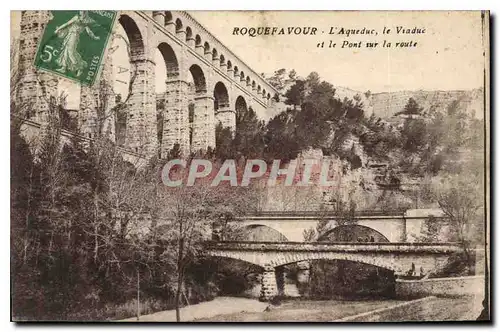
219	306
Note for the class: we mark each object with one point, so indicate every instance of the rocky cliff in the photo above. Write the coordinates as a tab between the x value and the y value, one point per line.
386	104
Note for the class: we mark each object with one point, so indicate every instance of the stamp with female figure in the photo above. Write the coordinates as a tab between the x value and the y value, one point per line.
74	42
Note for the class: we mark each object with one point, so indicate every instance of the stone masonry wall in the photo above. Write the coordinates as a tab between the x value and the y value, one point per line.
441	286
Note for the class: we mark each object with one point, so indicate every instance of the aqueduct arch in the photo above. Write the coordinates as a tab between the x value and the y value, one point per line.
171	62
240	109
203	125
120	126
223	112
137	126
169	132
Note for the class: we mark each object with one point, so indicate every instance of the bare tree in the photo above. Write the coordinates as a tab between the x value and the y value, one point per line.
187	214
461	199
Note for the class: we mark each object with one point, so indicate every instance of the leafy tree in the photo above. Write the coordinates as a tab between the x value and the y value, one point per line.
296	94
248	139
415	135
279	139
278	78
223	142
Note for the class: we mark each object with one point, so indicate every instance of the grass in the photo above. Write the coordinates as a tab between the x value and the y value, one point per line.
438	309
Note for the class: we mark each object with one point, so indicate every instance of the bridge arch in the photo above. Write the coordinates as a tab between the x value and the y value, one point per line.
283	259
249	275
261	233
291	258
353	233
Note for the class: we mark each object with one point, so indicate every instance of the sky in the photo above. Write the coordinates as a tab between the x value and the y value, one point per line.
448	56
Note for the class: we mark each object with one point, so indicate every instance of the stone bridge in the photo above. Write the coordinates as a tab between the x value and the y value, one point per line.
397	257
376	226
223	84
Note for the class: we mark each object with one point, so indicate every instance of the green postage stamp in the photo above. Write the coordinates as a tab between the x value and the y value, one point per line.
74	42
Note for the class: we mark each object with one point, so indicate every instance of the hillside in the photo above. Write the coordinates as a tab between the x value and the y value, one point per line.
386	104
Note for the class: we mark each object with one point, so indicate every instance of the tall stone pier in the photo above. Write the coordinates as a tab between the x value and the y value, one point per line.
36	91
269	287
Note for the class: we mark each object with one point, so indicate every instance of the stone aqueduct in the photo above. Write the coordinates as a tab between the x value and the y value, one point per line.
223	83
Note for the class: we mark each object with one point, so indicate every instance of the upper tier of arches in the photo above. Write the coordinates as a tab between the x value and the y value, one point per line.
189	31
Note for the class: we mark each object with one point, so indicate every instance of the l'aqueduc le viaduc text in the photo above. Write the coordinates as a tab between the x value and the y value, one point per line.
339	31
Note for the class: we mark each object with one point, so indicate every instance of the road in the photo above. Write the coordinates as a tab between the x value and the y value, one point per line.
234	309
205	310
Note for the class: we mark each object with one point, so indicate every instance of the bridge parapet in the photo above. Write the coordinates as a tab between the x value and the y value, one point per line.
386	247
400	258
397	257
188	31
